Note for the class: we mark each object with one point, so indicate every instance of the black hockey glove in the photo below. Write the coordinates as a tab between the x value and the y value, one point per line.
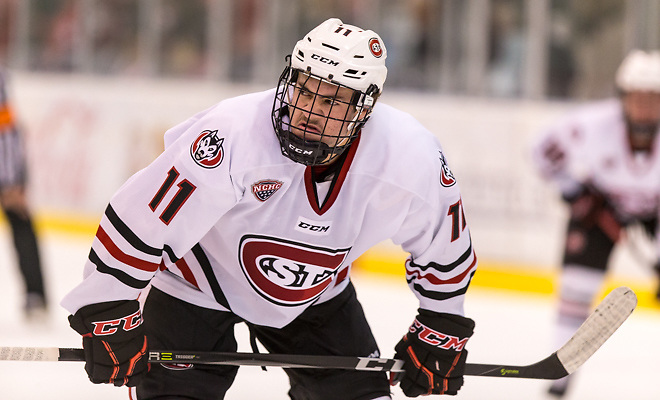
590	208
434	354
585	203
113	341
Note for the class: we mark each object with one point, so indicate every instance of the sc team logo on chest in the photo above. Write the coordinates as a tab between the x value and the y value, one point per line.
207	149
289	273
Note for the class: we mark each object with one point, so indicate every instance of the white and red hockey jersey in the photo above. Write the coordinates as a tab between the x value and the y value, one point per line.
591	146
223	220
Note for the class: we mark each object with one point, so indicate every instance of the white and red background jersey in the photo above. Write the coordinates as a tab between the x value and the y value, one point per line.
223	220
591	146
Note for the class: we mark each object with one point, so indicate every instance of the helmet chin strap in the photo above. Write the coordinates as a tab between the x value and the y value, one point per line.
317	153
300	150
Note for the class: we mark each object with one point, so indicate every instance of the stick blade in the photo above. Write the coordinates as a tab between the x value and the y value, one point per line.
29	353
601	324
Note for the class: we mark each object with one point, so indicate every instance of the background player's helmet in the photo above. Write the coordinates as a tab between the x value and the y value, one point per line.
638	82
346	57
639	71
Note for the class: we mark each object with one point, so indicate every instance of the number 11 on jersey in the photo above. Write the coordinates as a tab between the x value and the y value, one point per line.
457	219
185	190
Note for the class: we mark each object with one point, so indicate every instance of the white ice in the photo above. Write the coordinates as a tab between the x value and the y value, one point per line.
511	328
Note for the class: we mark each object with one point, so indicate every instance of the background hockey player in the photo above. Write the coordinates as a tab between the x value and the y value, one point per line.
254	213
13	200
606	162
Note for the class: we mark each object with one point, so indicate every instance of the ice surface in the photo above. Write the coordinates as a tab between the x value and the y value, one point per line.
511	328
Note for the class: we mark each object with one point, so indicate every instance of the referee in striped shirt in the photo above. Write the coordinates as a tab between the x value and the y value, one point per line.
14	205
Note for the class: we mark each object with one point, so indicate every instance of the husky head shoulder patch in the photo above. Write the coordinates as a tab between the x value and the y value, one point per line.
262	190
207	149
446	176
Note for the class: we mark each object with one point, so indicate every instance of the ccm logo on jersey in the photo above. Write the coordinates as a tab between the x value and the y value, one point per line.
288	273
319	228
127	323
446	177
435	338
207	149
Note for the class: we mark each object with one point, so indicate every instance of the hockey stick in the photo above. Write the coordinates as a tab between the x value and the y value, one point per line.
601	324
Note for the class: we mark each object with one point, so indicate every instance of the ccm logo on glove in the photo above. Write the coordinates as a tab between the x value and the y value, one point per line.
114	341
433	353
437	339
109	327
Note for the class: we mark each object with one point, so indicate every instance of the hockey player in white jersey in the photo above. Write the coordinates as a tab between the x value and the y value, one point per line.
605	159
255	212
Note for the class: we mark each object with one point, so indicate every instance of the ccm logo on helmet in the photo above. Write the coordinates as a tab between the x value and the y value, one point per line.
127	323
324	60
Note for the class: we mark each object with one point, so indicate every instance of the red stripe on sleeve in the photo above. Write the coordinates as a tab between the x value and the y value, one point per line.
437	281
123	257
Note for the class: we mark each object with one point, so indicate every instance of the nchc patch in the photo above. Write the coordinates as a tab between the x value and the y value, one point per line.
207	149
262	190
446	176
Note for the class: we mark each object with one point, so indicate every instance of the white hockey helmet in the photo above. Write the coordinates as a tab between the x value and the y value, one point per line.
344	56
639	71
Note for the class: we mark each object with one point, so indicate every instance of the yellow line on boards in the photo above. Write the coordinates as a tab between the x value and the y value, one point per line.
506	276
387	261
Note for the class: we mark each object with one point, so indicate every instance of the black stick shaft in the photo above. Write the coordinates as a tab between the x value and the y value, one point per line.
549	368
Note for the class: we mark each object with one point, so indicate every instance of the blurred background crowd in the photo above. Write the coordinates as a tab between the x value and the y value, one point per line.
537	49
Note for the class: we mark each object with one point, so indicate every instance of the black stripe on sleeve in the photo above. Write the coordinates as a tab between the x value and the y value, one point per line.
442	267
441	295
128	234
167	249
122	276
210	276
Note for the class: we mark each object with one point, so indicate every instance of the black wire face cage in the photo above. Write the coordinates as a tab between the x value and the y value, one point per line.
313	123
